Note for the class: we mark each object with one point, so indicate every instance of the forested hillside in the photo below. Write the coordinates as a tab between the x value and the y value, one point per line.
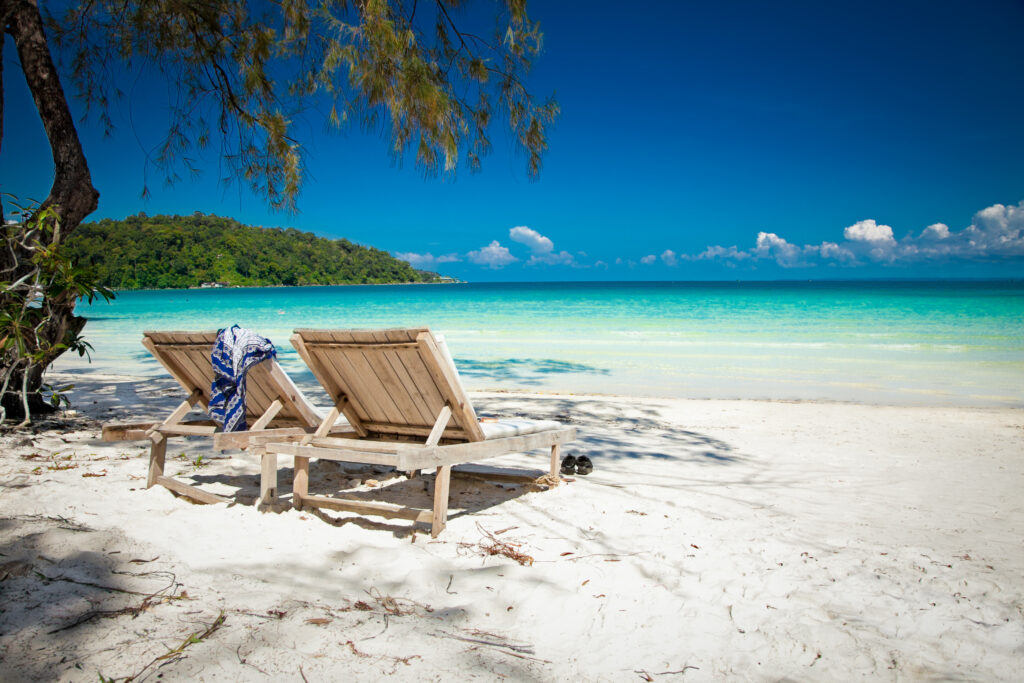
156	252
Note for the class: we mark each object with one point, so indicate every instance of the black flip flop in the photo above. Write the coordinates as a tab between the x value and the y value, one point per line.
569	464
584	465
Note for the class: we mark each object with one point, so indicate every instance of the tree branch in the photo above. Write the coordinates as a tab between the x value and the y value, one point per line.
455	29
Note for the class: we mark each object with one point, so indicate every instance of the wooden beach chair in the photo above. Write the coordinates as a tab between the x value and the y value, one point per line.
406	407
274	406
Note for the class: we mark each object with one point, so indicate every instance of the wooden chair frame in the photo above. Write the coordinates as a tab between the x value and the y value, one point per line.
406	408
272	399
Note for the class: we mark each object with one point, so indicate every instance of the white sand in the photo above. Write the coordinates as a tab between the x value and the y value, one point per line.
740	539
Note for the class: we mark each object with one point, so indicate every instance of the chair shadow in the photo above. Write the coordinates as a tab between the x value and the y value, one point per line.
472	489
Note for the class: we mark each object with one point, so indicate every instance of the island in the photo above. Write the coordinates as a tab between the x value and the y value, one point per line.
162	252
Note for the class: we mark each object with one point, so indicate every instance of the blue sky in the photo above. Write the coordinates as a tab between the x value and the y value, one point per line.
727	140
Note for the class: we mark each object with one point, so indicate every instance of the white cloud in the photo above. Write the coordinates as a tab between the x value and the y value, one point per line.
831	250
427	259
712	253
996	232
538	243
649	259
937	231
786	254
562	258
542	248
868	231
415	260
493	256
668	257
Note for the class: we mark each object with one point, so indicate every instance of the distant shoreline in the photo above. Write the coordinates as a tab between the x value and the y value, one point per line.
341	284
794	281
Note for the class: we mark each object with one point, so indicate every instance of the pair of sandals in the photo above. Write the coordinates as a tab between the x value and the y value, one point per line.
572	464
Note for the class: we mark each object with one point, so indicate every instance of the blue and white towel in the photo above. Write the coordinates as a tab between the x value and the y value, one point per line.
235	351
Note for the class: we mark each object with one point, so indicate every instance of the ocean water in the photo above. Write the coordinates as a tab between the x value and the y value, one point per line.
950	343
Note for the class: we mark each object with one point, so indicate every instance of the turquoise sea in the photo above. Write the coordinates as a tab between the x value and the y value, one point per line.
954	343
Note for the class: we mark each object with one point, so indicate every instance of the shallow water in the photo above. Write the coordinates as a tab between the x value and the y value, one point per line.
959	343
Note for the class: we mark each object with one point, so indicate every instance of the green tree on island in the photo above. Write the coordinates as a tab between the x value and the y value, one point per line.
154	252
245	72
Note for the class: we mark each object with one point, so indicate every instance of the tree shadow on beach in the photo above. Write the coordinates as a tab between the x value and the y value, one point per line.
530	372
62	585
611	432
639	455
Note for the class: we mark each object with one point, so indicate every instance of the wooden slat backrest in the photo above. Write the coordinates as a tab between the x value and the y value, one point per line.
396	381
186	356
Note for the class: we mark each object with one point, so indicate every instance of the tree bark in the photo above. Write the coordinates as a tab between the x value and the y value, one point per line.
72	192
3	23
72	189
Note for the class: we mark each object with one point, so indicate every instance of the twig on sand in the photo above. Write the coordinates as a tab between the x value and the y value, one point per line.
649	676
100	586
178	652
366	655
523	656
521	649
303	674
614	557
87	583
493	546
516	654
63	522
548	481
392	607
242	660
382	658
387	602
166	593
134	610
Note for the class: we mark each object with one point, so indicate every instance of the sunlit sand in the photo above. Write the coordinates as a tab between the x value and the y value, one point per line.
714	539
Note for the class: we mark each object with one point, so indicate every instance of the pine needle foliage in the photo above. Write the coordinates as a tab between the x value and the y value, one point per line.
247	73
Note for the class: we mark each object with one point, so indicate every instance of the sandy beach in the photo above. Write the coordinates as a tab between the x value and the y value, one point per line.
761	265
746	540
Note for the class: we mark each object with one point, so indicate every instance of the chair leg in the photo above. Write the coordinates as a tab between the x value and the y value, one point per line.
441	484
157	454
268	479
300	484
555	464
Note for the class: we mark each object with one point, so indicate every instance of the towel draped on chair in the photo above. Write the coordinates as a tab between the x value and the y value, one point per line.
234	353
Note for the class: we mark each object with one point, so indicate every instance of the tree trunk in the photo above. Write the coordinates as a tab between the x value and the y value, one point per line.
72	193
3	23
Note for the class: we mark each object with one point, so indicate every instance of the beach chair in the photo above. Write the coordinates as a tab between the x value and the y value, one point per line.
274	406
405	406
